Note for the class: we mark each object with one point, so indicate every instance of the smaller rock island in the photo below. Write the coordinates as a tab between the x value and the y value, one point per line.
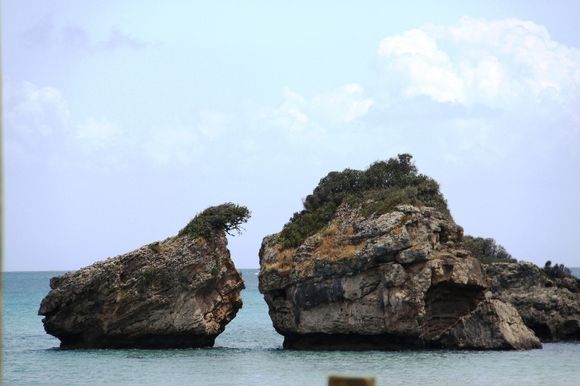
176	293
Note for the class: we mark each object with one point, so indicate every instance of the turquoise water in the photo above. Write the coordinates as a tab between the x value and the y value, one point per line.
248	353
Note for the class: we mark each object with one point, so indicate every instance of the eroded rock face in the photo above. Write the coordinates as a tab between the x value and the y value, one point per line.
177	293
395	281
549	306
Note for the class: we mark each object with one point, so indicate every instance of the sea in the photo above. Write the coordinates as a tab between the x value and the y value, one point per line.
249	352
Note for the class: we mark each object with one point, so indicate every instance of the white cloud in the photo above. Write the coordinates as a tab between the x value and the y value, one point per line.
429	69
41	129
175	144
498	63
39	125
99	133
40	116
183	143
291	114
34	113
211	124
342	105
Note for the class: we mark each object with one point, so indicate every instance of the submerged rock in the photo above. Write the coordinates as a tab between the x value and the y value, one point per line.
397	280
177	293
549	306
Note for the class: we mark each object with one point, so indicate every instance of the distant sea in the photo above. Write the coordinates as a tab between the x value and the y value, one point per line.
249	353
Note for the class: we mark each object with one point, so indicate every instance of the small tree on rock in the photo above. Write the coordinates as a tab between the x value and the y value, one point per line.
226	218
486	249
556	271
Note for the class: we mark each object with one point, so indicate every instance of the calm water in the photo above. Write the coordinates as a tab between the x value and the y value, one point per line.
248	353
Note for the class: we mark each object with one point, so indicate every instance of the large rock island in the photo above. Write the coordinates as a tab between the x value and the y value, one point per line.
375	261
177	293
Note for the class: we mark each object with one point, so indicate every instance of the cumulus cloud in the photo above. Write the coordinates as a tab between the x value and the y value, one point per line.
172	144
497	63
342	105
428	69
33	113
40	129
477	68
461	82
99	133
40	126
211	124
36	123
291	114
183	143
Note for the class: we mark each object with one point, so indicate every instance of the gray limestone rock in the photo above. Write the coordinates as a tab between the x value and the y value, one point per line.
180	292
549	306
395	281
492	325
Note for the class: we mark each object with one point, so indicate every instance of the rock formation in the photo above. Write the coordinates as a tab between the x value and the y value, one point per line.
549	306
177	293
395	280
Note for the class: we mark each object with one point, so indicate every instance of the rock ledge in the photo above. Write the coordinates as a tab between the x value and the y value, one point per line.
549	306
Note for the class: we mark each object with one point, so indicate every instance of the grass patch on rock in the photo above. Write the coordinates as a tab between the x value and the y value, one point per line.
376	190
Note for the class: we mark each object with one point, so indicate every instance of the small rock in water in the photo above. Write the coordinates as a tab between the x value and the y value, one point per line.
177	293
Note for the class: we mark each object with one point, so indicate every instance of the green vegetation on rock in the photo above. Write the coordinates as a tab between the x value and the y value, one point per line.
487	250
376	190
226	218
557	270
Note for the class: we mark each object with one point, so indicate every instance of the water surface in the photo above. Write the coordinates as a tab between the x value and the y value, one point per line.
249	353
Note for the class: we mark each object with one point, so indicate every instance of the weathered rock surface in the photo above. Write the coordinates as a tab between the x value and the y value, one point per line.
395	281
177	293
549	306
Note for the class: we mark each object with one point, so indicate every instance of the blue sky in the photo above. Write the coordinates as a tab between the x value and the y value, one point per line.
122	120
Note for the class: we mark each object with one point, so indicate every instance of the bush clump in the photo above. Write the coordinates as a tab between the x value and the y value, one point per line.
226	218
557	270
378	189
486	249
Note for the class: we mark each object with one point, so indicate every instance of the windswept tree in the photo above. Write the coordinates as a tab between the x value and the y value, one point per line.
227	218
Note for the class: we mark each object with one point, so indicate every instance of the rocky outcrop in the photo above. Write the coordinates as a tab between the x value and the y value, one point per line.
177	293
395	281
549	306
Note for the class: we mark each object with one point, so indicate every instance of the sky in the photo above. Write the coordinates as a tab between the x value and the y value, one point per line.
122	120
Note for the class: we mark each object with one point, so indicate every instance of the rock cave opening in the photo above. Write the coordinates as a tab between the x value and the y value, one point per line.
447	302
